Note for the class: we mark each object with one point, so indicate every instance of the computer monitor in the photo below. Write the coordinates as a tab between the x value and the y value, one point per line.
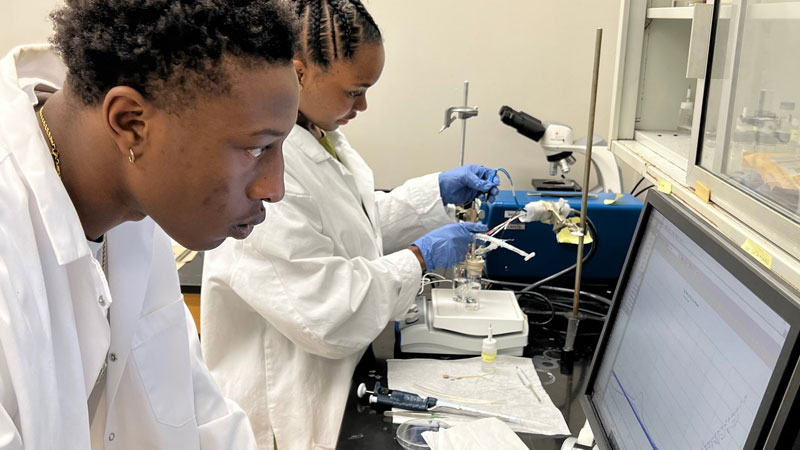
700	343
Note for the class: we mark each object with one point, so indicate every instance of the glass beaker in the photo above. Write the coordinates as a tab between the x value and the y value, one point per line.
471	290
459	281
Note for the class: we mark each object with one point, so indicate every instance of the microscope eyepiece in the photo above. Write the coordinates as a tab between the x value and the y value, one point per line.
525	124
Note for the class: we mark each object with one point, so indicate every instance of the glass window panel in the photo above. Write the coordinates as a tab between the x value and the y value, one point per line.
751	135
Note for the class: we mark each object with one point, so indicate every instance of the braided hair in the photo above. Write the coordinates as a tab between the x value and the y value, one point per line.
334	29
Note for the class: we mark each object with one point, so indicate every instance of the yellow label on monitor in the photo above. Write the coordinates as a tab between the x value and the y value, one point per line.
702	191
566	237
758	253
610	201
488	357
664	186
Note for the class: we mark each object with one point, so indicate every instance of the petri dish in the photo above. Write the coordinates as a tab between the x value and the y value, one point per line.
409	434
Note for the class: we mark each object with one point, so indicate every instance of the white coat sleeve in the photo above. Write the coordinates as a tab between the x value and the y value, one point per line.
221	423
410	211
9	435
327	305
10	438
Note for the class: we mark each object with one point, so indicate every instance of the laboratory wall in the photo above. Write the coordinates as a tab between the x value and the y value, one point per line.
534	55
25	22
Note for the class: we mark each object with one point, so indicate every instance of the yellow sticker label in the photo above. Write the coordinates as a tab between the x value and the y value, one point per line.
566	237
488	357
702	191
758	253
664	186
610	201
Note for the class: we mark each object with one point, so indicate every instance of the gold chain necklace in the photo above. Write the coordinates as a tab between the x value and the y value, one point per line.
57	161
53	149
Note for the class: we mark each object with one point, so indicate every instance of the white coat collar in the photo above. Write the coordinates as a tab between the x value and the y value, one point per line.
20	137
129	241
309	145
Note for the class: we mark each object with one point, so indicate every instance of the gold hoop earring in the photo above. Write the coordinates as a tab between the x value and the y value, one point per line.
131	156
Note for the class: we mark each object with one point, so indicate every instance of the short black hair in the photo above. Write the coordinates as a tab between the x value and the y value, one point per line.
333	29
167	49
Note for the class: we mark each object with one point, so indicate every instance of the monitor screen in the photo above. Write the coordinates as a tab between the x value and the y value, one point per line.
691	349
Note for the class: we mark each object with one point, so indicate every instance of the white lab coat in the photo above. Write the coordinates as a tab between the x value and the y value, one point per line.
287	313
54	332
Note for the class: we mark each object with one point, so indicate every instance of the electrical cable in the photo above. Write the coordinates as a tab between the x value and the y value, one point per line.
588	295
427	282
510	182
544	300
434	274
599	298
503	225
637	185
643	190
566	303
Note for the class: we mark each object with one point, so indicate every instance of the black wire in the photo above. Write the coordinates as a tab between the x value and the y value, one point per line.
567	302
643	190
542	298
589	296
637	185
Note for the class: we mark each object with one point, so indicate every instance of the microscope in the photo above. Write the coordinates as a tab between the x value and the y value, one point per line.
556	140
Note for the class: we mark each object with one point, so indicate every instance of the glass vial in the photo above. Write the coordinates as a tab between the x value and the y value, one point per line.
472	288
785	122
686	113
460	282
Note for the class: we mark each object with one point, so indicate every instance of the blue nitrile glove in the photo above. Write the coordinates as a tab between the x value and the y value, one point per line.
462	184
447	246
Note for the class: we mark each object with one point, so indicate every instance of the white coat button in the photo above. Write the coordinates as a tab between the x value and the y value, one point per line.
112	357
111	437
102	301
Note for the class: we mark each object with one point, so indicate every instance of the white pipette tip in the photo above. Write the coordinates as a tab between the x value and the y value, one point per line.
527	383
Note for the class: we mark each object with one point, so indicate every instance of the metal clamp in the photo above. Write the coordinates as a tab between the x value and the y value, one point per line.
462	113
454	113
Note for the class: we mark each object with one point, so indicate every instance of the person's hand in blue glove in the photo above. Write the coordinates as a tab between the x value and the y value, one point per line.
462	184
447	246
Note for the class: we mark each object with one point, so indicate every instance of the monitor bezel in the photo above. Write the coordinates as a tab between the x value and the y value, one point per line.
760	280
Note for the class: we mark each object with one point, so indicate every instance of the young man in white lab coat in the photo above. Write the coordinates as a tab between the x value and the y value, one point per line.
285	321
157	115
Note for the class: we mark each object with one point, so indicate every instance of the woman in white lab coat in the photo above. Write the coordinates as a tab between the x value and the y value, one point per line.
285	320
158	115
